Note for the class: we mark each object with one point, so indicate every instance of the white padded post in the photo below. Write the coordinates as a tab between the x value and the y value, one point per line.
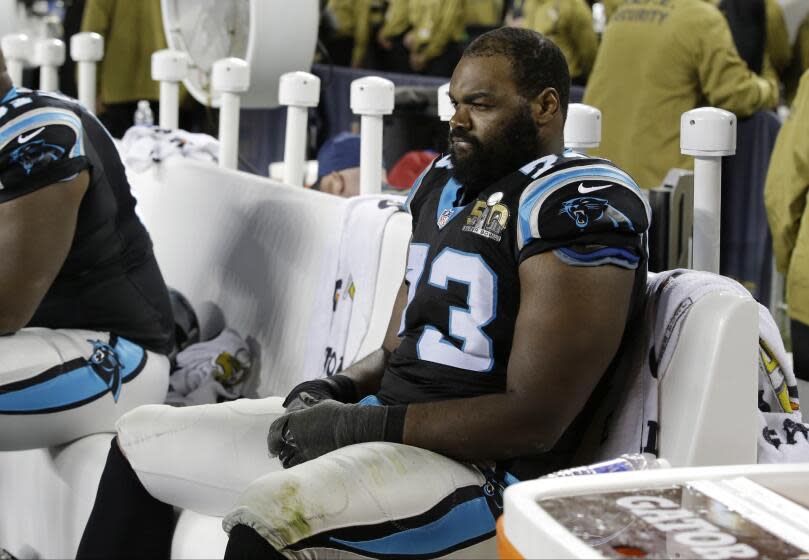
87	50
230	76
371	98
707	134
50	55
16	50
298	91
445	108
582	127
169	67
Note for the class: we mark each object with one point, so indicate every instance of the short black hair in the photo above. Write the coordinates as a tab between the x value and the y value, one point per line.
536	61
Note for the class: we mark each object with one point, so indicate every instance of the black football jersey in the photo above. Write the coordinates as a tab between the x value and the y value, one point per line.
462	270
109	280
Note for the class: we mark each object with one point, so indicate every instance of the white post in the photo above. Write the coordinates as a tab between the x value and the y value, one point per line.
372	98
50	55
298	91
169	67
708	134
16	49
582	127
87	49
445	108
230	76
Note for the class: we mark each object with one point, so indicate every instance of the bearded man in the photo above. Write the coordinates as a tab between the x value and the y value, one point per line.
525	266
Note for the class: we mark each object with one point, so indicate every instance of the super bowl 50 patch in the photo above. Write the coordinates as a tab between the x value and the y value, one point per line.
488	218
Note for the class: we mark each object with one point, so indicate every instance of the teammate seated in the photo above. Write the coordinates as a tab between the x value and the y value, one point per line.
526	264
76	264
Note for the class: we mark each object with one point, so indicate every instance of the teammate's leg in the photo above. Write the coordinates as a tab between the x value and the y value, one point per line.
198	457
367	501
59	385
126	521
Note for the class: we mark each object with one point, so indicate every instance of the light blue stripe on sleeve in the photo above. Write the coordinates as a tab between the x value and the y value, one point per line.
535	191
44	118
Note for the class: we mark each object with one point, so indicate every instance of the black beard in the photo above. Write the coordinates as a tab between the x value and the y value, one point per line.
514	145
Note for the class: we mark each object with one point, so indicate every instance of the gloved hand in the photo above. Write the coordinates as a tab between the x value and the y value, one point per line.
297	437
338	387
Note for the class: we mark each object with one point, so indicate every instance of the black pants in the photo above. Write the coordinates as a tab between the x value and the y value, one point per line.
800	349
126	521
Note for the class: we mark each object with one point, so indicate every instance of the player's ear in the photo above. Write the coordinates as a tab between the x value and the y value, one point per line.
546	106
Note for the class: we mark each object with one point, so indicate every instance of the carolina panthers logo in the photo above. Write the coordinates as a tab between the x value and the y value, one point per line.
105	363
586	210
36	152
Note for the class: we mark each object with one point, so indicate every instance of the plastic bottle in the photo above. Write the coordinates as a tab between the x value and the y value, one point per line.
623	463
143	114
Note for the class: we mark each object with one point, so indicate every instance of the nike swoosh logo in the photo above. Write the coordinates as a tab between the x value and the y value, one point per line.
585	190
23	138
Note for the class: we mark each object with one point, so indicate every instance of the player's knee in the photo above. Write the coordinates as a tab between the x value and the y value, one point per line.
143	423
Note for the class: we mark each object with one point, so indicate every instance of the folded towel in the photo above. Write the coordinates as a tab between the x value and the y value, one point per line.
210	371
345	310
143	146
628	421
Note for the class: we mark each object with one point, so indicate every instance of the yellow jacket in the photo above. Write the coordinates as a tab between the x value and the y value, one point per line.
356	18
569	24
344	15
778	49
800	59
434	23
610	7
483	12
655	63
785	196
132	31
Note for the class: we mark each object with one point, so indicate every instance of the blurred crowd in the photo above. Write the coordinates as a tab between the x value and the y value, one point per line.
428	36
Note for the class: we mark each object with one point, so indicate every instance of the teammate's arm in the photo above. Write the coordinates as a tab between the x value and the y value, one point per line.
36	232
568	329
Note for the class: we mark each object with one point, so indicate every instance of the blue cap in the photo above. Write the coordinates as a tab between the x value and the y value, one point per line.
339	152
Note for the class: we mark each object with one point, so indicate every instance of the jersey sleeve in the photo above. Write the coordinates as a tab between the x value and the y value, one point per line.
589	215
39	147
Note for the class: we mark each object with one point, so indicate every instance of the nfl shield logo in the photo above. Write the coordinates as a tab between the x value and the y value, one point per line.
444	217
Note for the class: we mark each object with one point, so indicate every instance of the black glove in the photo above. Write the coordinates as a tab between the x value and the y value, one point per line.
297	437
338	388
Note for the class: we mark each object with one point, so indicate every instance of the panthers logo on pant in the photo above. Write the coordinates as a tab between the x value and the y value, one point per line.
587	210
105	363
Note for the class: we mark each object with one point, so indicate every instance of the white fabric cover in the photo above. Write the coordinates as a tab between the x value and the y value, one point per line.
263	253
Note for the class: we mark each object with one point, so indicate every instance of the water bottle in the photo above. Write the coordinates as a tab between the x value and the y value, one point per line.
623	463
143	114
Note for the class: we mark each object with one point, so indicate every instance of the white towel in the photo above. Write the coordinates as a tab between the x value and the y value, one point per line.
346	303
209	370
782	436
630	413
143	146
